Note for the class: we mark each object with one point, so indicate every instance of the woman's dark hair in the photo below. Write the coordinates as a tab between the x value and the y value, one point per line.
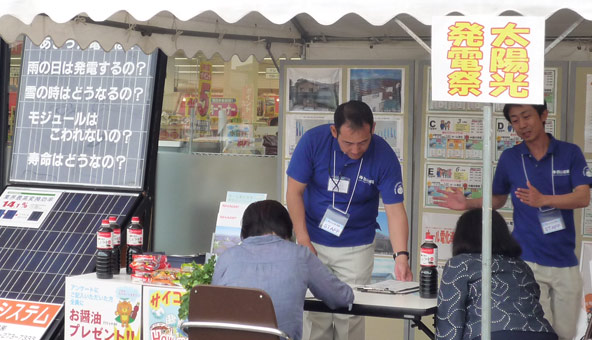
467	237
266	217
356	113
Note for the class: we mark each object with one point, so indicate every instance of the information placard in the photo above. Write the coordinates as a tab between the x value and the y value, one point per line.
26	207
83	116
448	177
455	137
29	320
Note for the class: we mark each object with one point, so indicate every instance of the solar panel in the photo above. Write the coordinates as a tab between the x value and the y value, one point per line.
83	116
35	262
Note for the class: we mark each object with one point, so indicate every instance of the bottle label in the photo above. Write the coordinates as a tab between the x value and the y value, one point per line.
104	240
135	237
116	237
429	257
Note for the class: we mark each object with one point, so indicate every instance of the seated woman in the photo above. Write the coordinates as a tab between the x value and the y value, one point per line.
267	260
515	309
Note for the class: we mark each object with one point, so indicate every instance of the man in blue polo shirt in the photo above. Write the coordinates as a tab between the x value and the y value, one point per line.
547	179
335	178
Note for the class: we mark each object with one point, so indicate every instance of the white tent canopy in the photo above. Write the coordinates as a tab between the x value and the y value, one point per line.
244	28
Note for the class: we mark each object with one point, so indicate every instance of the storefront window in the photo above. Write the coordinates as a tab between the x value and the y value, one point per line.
217	106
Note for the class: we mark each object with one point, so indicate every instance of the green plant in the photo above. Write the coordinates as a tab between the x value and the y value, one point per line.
199	275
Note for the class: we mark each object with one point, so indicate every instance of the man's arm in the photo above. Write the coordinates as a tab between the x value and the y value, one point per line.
297	214
456	200
399	235
578	198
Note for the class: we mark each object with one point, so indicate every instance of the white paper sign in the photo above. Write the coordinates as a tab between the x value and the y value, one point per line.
491	59
442	227
20	319
230	215
26	207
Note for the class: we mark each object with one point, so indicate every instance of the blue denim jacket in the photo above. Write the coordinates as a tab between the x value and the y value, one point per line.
284	270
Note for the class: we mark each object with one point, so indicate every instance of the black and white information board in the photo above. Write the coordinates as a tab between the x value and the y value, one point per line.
83	116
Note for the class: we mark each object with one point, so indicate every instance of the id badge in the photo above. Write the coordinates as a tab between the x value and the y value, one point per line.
338	184
334	221
551	220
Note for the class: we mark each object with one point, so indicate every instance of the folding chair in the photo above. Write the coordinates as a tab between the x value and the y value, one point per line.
231	313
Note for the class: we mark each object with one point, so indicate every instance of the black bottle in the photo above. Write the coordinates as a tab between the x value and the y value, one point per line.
103	258
135	236
116	265
428	275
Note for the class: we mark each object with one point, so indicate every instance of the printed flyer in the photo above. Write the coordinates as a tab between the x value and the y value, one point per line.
102	309
454	137
160	314
442	227
448	177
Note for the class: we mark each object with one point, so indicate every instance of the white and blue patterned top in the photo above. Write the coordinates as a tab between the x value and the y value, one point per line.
514	294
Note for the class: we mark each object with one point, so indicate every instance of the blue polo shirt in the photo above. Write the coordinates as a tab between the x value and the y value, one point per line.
566	163
380	174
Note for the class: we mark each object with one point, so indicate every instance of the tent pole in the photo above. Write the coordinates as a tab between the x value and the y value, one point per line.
414	36
486	225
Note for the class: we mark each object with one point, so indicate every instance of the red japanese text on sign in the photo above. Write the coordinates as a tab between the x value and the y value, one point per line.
509	64
465	57
27	313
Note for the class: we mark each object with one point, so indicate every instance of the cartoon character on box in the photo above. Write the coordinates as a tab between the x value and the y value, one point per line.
125	313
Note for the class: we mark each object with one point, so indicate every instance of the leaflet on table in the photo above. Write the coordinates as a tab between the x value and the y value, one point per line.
454	137
26	207
391	287
506	137
449	177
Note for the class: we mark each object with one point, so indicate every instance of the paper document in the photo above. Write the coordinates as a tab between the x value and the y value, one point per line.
391	287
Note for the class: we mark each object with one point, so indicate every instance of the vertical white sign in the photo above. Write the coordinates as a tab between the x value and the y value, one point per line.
488	59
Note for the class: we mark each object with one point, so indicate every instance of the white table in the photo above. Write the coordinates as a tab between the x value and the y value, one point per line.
397	306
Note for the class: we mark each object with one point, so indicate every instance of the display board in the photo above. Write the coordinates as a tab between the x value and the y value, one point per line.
452	149
83	116
36	261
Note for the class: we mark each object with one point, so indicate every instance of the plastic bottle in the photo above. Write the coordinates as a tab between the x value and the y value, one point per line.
428	275
103	258
116	244
135	237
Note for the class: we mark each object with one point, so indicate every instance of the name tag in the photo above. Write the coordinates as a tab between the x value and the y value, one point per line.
551	220
334	221
338	184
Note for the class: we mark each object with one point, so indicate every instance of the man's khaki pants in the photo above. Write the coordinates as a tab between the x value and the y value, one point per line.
354	266
561	297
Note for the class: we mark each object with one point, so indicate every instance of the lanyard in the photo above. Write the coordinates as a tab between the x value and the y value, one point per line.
355	183
552	177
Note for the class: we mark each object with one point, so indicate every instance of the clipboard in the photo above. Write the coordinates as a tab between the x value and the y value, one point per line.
368	289
391	287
